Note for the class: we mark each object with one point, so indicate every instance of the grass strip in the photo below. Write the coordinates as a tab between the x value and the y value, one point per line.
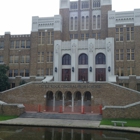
130	122
3	117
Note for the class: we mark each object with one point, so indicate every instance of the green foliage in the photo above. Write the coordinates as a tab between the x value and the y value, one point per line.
4	84
22	82
3	117
130	122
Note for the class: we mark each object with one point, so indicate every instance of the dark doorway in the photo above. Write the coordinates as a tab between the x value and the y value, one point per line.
83	75
66	74
100	74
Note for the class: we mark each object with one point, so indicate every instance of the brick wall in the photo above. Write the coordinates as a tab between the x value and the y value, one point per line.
106	94
122	112
12	109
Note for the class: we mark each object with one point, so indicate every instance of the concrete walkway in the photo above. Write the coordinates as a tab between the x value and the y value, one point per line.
92	124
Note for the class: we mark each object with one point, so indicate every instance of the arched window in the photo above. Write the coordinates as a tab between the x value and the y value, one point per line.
87	22
66	60
83	19
71	23
100	58
76	23
94	22
98	21
83	59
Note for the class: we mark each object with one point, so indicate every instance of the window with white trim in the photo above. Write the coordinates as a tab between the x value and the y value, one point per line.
130	54
84	4
50	38
49	57
40	57
24	73
73	5
84	36
49	71
119	34
40	72
130	71
25	59
119	54
130	33
120	71
96	3
41	37
14	59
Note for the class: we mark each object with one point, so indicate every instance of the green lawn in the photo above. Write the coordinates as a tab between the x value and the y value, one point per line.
2	117
130	122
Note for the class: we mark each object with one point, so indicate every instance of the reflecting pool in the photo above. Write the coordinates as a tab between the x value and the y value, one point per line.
45	133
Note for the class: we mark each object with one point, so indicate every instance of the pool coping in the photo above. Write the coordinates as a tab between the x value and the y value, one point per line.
86	124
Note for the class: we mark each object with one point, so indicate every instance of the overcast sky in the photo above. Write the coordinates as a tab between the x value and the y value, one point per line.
16	15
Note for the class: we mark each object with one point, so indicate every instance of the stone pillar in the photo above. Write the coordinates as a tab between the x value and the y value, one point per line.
72	108
53	101
63	102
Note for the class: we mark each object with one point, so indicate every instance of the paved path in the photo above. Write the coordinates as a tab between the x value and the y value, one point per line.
92	117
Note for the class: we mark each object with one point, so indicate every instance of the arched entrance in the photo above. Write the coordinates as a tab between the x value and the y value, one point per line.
49	101
87	101
58	100
68	102
77	101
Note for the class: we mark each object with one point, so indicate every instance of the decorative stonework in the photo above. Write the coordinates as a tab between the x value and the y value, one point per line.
91	47
57	48
109	47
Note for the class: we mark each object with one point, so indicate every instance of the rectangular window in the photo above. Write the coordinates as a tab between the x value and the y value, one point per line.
120	71
11	59
23	44
84	36
12	44
40	72
22	73
96	35
75	36
49	71
26	73
119	34
17	44
50	38
119	54
1	44
49	57
130	54
130	71
84	4
16	59
41	37
28	44
15	73
1	59
10	73
40	56
73	5
130	33
27	59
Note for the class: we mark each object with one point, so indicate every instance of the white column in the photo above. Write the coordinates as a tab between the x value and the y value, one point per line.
72	109
82	103
82	100
53	101
63	102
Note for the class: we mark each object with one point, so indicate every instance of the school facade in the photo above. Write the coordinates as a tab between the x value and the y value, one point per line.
87	41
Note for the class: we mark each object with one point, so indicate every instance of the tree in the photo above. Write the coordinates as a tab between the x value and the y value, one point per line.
4	84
